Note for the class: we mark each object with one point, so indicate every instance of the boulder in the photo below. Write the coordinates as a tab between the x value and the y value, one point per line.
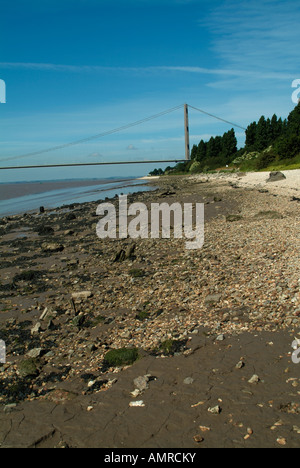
276	176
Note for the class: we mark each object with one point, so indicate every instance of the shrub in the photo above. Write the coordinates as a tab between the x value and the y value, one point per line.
196	167
265	159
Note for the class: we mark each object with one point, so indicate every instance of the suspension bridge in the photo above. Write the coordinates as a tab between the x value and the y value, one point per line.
123	128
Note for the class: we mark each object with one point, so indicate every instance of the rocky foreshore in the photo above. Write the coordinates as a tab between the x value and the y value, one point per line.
142	343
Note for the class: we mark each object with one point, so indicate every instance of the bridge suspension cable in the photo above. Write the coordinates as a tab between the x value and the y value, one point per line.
94	137
218	118
106	133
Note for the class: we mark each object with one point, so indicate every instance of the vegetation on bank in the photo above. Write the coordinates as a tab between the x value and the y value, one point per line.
270	144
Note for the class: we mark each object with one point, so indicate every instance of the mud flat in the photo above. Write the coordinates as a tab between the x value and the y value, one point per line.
142	343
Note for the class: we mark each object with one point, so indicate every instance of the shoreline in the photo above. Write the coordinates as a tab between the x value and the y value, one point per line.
52	195
204	322
19	189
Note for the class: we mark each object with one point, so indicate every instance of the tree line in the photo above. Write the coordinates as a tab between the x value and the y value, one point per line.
269	140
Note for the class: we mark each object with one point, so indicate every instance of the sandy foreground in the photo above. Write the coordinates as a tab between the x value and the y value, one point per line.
288	186
214	327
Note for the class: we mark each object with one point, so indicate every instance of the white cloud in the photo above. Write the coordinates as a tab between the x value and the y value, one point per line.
259	37
224	72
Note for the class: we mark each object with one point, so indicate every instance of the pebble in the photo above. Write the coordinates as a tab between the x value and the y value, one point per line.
220	338
198	439
36	328
34	353
214	410
281	441
188	381
240	365
254	379
138	403
82	295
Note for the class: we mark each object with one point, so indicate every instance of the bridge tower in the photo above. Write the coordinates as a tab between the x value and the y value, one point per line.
186	132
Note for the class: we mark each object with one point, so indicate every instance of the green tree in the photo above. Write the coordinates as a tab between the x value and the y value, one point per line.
293	121
229	146
261	138
201	151
194	152
251	136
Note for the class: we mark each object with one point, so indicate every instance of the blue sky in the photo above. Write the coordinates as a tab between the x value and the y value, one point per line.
75	68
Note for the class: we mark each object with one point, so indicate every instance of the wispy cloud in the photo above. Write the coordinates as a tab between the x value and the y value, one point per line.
260	38
224	72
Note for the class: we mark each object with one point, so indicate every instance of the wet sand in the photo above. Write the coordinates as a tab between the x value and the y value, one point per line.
15	190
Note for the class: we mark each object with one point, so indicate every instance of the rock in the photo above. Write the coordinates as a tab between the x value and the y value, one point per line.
52	248
44	314
70	217
215	410
10	407
125	254
220	338
281	441
276	176
130	251
212	298
45	231
254	379
141	382
188	381
198	439
240	365
36	328
82	295
78	321
139	403
120	256
34	353
204	428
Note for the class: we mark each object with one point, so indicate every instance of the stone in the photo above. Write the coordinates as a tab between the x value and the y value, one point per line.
34	353
198	439
214	410
53	248
188	381
138	403
36	328
254	379
82	295
240	365
276	176
212	298
220	338
141	382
